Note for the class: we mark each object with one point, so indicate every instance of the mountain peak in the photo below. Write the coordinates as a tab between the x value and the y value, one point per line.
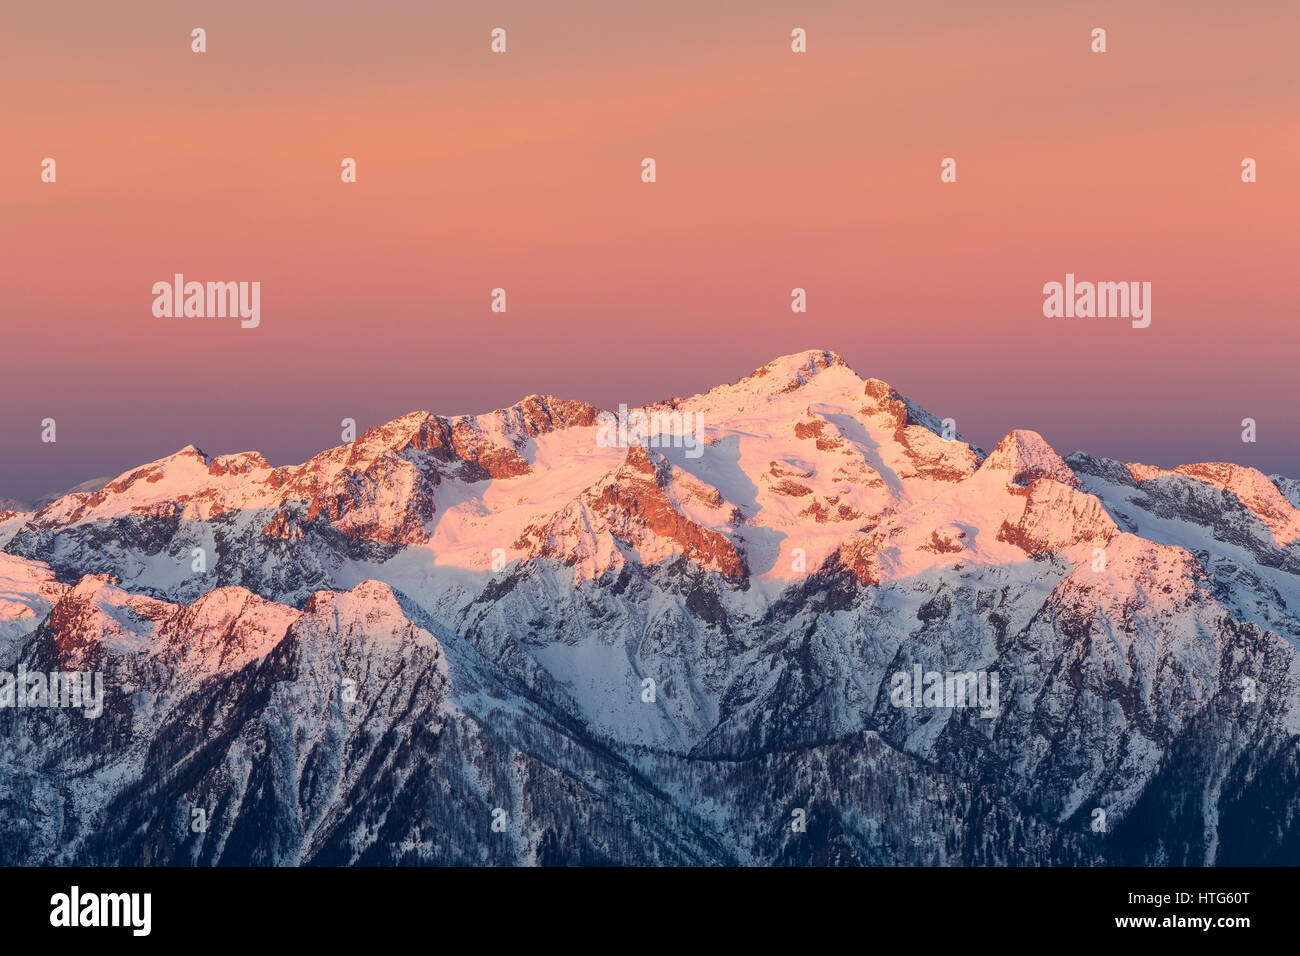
797	366
191	451
1256	492
1027	457
783	375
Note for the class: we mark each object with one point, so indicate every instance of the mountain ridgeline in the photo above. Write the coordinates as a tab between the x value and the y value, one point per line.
507	639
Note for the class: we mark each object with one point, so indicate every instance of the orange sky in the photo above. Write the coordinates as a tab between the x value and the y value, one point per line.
522	171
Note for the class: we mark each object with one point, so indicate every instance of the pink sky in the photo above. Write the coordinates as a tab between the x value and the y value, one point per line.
522	171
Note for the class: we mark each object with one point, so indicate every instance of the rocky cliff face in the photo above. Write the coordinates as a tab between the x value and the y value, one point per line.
840	634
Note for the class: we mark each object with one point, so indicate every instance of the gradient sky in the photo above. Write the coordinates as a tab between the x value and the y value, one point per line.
522	170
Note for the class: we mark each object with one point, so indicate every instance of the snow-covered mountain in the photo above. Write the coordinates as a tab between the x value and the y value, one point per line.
507	638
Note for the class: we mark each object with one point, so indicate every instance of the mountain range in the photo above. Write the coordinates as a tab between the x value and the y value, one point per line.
501	639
